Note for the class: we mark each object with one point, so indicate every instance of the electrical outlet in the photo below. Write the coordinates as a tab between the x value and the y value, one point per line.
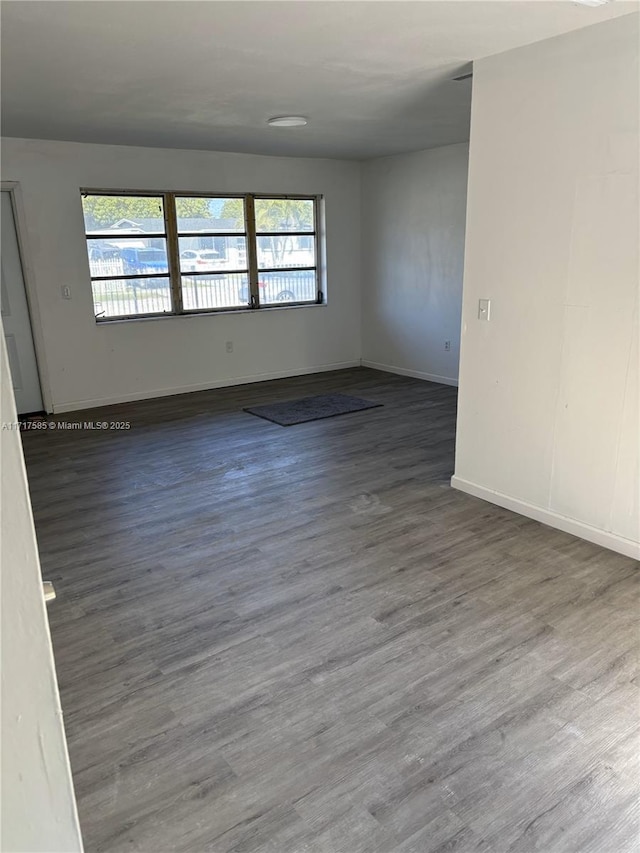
447	345
229	346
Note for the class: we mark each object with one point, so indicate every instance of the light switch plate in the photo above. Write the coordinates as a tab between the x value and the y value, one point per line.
484	309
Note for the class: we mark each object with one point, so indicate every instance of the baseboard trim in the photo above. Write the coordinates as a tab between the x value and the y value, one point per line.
415	374
78	405
552	519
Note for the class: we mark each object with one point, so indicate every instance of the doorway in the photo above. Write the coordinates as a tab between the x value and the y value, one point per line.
16	320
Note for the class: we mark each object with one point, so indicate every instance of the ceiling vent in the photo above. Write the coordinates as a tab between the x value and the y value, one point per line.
464	77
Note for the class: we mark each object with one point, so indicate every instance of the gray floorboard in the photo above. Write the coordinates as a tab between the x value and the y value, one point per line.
302	640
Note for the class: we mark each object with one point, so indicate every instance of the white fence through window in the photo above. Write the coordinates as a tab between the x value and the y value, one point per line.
125	296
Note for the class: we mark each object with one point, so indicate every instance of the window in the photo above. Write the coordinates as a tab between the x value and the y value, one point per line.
214	273
128	255
153	254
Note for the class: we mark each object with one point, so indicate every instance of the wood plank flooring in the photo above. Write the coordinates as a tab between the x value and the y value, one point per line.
302	640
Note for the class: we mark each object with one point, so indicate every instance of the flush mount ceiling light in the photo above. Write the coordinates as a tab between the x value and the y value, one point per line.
287	121
591	2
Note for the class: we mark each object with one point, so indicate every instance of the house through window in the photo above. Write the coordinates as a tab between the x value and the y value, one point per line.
168	253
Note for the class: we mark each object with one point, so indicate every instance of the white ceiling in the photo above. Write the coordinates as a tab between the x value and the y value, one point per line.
373	77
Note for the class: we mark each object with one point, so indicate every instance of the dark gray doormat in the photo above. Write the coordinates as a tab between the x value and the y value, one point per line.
311	409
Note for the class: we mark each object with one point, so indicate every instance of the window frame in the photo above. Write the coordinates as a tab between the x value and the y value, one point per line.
172	237
172	196
290	233
89	238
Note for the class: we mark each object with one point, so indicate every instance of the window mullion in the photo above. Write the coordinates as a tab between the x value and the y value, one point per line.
252	251
173	251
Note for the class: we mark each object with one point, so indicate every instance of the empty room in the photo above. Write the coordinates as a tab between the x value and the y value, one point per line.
320	514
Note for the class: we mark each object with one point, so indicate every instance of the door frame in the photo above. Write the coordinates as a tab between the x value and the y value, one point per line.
35	316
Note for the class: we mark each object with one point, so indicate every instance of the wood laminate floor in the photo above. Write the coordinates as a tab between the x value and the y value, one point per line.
302	640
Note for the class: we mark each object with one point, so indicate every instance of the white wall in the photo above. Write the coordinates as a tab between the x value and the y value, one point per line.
88	364
413	249
548	406
38	806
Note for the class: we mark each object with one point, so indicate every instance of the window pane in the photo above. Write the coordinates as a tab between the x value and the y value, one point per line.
201	254
126	297
284	214
195	213
294	286
127	256
215	291
286	250
123	214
